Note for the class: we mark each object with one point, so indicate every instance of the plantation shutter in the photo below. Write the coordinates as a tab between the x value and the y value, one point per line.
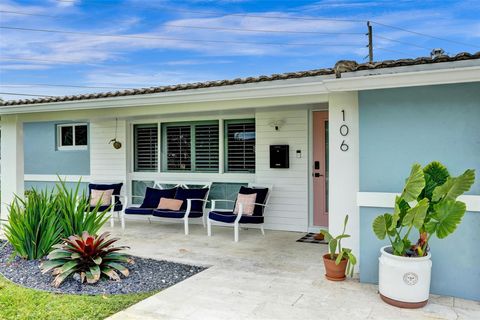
240	146
206	147
146	147
178	141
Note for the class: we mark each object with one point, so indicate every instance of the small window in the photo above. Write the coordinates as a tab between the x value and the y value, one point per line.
145	147
72	136
240	146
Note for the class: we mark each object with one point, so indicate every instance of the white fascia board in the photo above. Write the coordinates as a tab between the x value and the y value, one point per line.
387	200
272	89
406	79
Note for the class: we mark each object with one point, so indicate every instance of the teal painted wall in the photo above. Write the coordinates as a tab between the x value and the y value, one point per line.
421	124
405	125
42	156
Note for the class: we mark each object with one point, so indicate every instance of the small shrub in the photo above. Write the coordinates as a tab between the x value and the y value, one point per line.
91	257
76	216
33	224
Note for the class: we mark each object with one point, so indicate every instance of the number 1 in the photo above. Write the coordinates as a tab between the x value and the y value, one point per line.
343	115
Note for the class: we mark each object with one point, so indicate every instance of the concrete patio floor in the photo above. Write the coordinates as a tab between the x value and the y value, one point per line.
271	277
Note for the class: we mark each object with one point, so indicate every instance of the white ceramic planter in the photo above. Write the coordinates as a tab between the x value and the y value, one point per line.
403	281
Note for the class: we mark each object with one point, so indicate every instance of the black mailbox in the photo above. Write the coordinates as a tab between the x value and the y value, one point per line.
279	156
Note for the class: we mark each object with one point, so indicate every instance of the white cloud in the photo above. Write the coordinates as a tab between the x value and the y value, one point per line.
65	3
113	77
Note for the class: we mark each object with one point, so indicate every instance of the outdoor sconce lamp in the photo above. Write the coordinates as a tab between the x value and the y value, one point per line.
277	124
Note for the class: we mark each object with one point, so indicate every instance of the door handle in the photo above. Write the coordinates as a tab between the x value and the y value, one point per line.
317	175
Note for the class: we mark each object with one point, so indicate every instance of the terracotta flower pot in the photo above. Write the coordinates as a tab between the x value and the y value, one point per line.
334	272
319	237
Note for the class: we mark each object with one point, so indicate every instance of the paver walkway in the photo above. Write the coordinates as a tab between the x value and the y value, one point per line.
271	277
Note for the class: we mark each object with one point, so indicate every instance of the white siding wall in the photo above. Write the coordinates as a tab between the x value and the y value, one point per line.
289	202
106	163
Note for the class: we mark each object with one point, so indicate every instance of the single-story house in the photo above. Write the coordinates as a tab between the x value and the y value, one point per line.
352	131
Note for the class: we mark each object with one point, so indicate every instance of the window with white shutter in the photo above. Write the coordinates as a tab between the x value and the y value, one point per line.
145	147
240	146
190	147
206	147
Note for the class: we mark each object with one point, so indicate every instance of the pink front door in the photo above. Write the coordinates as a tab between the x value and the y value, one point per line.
320	168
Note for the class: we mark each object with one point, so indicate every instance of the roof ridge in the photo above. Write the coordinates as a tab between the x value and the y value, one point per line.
338	69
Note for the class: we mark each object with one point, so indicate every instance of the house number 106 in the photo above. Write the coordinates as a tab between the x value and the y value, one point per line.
344	130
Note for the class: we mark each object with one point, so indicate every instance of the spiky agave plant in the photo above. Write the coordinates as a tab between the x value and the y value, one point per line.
91	257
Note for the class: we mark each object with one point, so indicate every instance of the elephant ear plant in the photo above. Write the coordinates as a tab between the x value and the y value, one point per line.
427	203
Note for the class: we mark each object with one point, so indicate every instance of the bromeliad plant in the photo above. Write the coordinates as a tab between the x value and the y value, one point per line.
427	203
91	257
337	252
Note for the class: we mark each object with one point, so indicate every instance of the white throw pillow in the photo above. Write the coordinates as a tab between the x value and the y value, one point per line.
248	201
102	196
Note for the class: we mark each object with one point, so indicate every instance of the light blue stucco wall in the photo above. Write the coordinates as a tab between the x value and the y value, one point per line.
405	125
42	156
51	185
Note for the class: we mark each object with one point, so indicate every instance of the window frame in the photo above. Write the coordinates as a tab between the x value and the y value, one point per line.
134	145
225	137
61	147
192	125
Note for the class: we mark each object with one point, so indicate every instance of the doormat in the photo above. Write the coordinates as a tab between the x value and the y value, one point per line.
309	238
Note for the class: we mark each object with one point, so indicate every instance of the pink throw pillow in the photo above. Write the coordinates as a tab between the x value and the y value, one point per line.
248	201
102	196
170	204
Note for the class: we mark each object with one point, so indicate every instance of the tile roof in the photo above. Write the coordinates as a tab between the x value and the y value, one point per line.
340	67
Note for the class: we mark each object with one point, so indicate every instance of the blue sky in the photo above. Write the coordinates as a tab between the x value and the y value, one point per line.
198	40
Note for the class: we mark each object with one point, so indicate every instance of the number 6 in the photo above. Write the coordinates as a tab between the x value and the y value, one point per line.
344	146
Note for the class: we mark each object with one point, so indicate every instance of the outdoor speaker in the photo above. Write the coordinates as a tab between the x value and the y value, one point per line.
279	156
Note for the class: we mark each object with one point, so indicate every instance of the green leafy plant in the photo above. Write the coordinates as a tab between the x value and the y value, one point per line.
427	203
33	224
91	257
337	252
76	213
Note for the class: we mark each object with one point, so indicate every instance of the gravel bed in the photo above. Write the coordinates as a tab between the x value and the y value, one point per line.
146	275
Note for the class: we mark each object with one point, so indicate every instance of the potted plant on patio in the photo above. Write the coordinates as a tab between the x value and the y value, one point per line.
339	261
428	204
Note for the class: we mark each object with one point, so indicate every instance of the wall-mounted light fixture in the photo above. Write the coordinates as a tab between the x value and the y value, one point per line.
277	124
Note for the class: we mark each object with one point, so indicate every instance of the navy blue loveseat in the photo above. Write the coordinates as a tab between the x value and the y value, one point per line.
193	194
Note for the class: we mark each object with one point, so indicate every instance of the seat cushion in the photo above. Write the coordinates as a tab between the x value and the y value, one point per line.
137	210
117	187
176	214
153	196
117	207
184	194
261	198
229	217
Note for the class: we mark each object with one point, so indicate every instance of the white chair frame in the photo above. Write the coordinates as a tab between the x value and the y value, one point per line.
236	224
185	185
112	209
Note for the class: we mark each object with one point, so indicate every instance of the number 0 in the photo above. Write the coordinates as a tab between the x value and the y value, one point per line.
344	130
344	147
